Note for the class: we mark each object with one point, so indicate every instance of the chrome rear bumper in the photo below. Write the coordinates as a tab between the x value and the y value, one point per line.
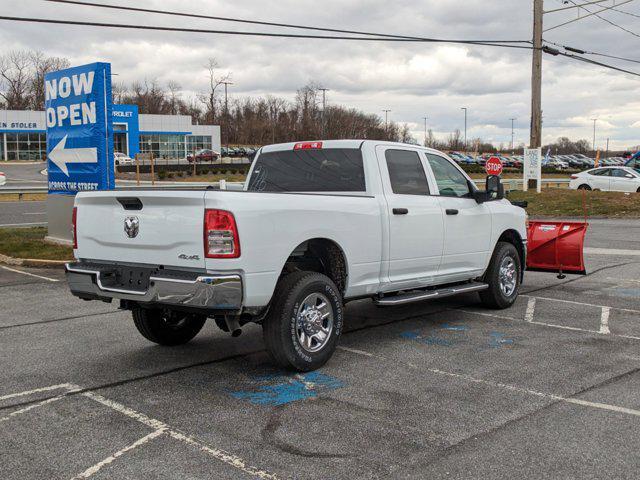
199	290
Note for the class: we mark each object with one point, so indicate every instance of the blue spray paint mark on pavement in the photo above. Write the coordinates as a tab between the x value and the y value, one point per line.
497	340
454	328
283	389
430	340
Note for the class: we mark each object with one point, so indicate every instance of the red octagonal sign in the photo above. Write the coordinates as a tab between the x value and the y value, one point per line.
493	166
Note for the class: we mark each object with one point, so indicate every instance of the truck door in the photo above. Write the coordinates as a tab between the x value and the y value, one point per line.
415	218
467	224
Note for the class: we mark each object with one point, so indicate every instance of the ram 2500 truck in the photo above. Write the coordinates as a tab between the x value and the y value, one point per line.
316	225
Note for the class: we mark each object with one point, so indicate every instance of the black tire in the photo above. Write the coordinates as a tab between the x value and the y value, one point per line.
494	296
166	327
638	191
281	329
584	187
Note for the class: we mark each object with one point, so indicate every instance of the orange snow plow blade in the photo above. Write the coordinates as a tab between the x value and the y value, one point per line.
556	247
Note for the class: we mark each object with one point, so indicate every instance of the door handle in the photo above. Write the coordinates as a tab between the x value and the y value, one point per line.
400	211
452	211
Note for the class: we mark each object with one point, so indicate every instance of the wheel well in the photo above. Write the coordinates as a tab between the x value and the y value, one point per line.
319	255
513	237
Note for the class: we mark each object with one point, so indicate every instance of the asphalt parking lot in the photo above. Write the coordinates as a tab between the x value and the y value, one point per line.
546	389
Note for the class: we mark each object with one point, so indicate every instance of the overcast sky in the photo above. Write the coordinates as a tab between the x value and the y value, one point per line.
412	80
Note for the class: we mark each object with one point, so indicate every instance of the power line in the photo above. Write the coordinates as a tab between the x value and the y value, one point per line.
607	20
274	24
254	34
573	6
555	52
587	52
587	16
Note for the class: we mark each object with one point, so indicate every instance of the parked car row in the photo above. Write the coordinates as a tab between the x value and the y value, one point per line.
238	151
576	161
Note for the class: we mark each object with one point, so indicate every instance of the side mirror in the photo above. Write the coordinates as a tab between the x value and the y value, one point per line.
494	190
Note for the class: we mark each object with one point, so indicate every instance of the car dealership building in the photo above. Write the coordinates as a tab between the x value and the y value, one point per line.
23	134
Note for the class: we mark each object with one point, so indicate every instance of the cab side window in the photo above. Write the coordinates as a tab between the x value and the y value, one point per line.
406	173
451	182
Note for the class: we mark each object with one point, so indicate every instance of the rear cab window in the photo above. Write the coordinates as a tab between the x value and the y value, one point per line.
309	170
406	173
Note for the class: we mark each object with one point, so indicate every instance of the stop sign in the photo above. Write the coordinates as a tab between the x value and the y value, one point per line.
493	166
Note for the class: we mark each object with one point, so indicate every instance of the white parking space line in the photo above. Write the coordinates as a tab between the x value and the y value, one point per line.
543	324
629	310
513	388
611	251
29	274
218	454
531	310
34	213
38	390
141	441
31	407
604	321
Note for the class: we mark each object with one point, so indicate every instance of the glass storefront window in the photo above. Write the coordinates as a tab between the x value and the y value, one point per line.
163	145
24	146
198	142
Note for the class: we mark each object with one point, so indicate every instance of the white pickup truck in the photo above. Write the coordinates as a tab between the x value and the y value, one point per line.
317	224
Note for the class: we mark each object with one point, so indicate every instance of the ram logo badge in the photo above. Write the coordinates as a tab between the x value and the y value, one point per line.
131	226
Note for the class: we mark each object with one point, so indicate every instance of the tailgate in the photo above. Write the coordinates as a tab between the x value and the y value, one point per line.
151	227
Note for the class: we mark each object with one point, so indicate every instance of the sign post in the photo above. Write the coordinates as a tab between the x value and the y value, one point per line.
78	112
532	168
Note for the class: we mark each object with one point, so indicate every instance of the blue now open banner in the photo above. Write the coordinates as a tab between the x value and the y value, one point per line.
78	108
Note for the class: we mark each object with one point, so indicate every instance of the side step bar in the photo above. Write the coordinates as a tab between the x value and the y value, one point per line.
430	294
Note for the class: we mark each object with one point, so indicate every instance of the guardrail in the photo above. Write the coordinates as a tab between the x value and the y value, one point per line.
509	184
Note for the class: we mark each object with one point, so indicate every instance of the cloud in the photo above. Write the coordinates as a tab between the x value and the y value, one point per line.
413	80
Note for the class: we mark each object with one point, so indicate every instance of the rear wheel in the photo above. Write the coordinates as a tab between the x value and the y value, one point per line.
503	277
167	327
584	187
302	328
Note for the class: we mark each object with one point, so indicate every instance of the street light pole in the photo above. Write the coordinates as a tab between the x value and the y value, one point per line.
226	114
324	108
386	121
512	120
425	130
465	128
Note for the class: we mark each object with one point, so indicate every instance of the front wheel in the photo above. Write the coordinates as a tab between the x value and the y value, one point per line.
166	327
503	276
302	328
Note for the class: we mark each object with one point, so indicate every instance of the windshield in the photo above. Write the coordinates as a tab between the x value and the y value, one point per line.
321	170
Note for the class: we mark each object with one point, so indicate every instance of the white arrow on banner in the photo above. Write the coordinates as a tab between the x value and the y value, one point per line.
61	156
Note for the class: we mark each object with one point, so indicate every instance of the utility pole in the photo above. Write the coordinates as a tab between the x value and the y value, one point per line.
512	135
324	108
226	114
425	130
594	133
465	128
536	76
386	119
607	154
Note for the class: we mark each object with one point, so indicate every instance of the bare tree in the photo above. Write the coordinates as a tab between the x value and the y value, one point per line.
215	80
174	96
41	65
15	80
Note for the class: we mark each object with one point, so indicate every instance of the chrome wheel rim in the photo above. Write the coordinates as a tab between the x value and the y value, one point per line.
314	322
508	276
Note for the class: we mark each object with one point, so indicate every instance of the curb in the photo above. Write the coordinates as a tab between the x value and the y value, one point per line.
31	262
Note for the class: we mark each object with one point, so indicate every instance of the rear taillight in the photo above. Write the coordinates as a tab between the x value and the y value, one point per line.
308	146
74	227
574	177
220	235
